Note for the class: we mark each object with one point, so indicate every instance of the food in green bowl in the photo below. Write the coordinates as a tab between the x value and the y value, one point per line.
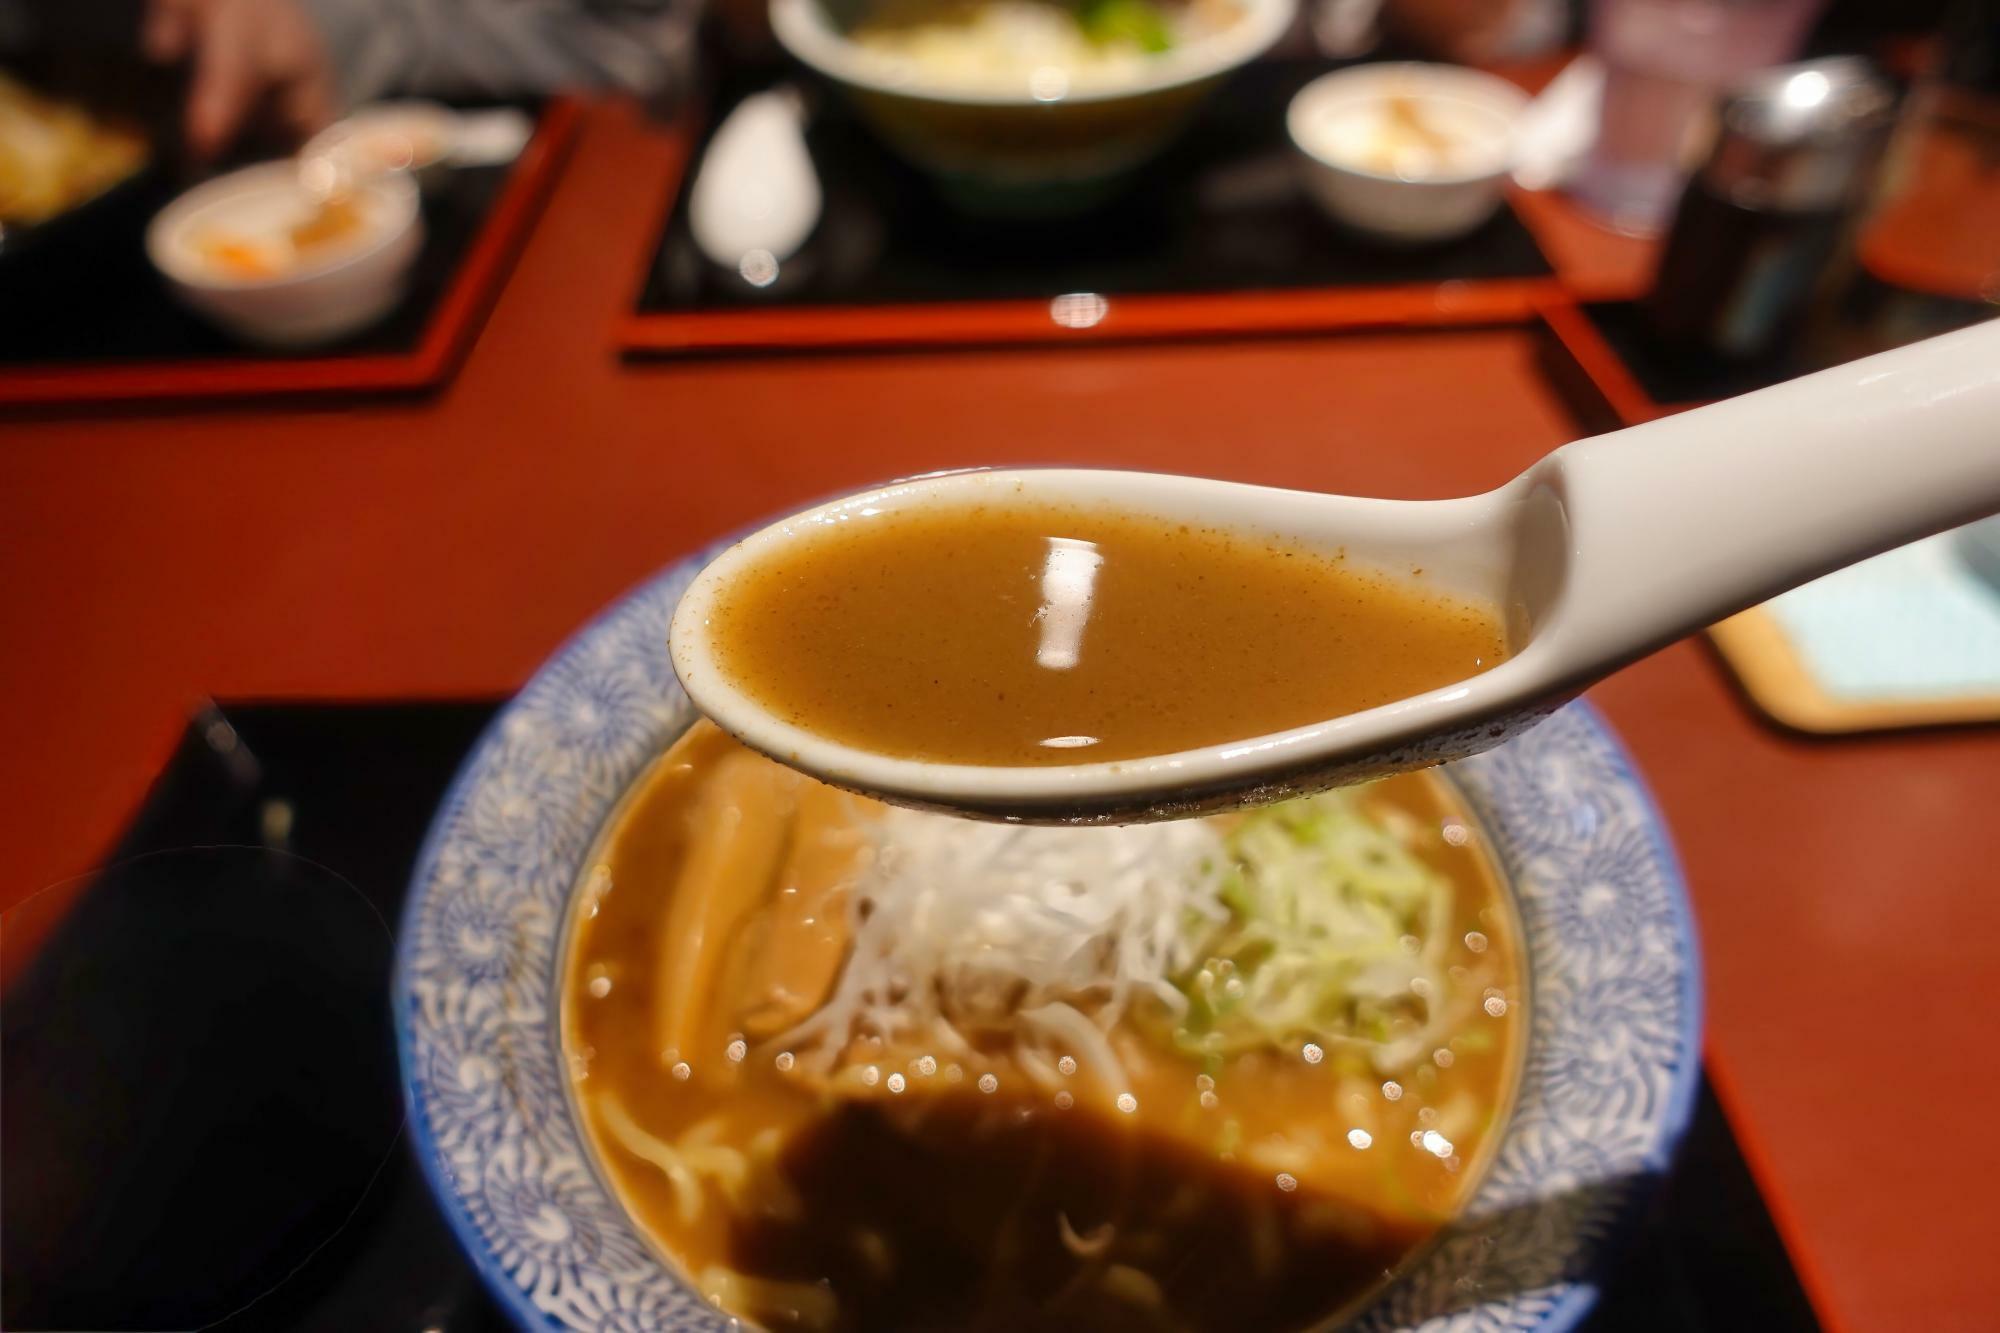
1029	105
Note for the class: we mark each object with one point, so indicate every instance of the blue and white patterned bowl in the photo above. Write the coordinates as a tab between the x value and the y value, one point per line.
1607	1087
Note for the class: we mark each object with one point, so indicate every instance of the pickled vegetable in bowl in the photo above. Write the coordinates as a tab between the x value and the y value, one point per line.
1406	152
329	228
274	261
1412	137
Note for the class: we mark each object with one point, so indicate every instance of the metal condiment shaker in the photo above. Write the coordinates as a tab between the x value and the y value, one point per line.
1763	217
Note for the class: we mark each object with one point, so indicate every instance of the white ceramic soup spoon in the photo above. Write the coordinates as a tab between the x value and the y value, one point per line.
1602	552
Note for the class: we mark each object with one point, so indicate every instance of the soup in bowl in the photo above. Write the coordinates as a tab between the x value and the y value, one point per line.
690	1038
861	1067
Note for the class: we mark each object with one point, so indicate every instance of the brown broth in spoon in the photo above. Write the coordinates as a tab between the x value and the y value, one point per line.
1031	634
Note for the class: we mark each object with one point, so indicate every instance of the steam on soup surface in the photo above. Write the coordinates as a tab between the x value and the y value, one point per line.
855	1067
1036	634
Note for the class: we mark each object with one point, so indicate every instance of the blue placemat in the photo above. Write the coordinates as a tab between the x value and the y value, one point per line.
1921	622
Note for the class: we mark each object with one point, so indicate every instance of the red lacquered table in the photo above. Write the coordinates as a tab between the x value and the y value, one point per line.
444	547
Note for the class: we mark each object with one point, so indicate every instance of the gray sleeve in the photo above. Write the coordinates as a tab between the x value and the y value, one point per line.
507	47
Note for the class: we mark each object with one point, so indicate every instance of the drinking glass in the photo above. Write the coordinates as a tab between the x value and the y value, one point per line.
1665	63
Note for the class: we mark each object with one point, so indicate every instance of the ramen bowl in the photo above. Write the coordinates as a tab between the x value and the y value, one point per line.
1605	1087
1047	144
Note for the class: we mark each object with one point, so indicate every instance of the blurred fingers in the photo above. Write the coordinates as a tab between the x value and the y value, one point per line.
309	86
167	28
227	78
306	104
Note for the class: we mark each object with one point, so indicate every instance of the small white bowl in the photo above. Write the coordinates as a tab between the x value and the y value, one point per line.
316	301
1418	195
388	137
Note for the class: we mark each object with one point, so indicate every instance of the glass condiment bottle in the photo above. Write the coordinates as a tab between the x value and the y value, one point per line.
1763	218
1927	258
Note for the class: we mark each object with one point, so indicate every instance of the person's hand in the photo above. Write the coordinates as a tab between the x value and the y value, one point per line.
250	57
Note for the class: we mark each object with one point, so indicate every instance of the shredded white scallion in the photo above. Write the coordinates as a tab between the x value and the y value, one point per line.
1041	938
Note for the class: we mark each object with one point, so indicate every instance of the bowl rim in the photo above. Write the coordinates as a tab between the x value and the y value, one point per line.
1457	83
168	253
808	33
1552	1305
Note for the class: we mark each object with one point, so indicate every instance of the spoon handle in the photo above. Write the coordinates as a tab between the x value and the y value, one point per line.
1680	522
